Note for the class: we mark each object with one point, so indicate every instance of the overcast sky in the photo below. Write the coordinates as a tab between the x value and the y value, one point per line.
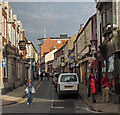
57	17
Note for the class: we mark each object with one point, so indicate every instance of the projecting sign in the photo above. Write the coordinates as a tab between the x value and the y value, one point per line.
3	63
22	45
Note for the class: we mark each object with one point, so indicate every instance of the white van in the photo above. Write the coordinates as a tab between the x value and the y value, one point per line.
68	83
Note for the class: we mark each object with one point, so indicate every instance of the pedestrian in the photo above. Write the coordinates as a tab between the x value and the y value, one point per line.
29	85
90	76
41	76
93	88
46	76
105	83
113	84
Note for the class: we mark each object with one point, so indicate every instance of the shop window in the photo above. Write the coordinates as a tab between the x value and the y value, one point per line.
104	66
111	72
18	70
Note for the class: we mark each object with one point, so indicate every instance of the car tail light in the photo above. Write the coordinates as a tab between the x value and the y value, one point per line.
59	86
78	86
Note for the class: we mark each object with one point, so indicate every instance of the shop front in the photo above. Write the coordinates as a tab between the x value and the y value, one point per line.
109	63
10	70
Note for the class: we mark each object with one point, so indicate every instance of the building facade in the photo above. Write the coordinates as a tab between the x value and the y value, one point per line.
109	48
85	44
13	58
32	59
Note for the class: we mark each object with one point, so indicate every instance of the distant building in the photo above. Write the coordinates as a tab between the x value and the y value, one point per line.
32	59
50	44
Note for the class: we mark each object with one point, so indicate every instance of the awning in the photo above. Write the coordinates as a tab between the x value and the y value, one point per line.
93	64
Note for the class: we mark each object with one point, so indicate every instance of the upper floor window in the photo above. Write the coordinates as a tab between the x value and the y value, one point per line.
103	20
9	32
13	36
4	31
59	41
108	15
9	13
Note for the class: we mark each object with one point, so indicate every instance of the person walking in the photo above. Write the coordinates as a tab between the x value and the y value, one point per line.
46	76
90	76
41	76
105	83
29	85
93	88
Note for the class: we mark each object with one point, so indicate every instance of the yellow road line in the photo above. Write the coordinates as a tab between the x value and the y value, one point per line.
18	102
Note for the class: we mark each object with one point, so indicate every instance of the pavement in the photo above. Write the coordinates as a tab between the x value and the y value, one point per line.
17	94
98	106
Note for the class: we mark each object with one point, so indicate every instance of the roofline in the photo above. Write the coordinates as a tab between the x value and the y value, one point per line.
85	26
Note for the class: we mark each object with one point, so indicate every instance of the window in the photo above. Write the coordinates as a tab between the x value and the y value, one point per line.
110	62
5	31
108	12
9	32
9	13
104	66
103	19
87	36
84	41
13	36
18	70
59	42
3	25
68	78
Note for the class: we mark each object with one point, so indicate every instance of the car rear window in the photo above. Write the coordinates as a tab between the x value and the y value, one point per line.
68	78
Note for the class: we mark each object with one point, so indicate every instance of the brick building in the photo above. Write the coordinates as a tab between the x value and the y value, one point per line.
52	43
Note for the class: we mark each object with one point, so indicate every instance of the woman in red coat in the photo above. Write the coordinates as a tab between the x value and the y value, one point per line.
93	88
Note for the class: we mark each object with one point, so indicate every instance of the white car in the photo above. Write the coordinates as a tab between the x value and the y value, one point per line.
68	83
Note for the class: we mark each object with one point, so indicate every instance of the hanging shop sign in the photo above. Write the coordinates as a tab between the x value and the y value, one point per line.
22	45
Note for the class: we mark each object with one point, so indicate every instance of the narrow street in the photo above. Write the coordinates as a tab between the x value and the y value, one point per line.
45	100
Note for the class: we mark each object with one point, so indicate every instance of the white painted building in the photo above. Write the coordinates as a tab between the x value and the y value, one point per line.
49	57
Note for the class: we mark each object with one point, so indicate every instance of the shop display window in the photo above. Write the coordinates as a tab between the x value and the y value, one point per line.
111	72
104	66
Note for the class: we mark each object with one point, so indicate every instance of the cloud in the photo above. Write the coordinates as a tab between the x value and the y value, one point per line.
56	17
54	0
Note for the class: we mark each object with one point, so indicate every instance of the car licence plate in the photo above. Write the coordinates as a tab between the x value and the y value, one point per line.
68	87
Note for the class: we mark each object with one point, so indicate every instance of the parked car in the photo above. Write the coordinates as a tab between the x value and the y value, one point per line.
68	83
